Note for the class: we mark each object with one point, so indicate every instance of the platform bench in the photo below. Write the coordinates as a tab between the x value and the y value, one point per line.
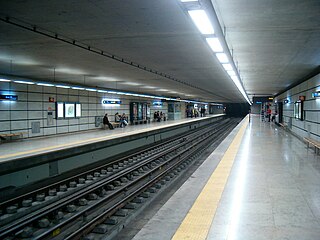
285	126
4	136
313	143
115	124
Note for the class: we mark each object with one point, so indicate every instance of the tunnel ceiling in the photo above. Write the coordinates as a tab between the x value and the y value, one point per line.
153	47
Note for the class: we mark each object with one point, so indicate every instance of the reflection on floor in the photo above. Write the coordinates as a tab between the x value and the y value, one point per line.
273	191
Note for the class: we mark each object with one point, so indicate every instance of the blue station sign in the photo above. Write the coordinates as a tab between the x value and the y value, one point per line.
9	97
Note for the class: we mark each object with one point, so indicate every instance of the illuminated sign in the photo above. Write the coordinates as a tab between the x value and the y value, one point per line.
60	110
157	103
316	94
78	110
258	102
9	97
111	101
69	110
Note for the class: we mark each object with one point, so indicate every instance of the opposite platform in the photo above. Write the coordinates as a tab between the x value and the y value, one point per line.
32	160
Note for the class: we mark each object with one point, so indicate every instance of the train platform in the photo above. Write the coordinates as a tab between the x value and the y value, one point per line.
29	160
34	146
260	183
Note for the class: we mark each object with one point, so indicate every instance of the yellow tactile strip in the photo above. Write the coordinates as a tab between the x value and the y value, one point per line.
197	222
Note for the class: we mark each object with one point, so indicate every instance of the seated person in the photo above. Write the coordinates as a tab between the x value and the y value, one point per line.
123	120
107	122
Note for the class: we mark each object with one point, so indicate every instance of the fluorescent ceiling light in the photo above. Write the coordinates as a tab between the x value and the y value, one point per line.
201	20
91	89
227	66
130	83
62	86
231	73
102	91
45	84
237	82
70	71
189	0
148	87
4	80
215	44
24	82
113	92
108	79
77	88
222	57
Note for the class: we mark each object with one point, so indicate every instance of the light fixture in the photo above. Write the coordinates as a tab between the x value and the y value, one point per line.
231	73
102	91
91	89
45	84
214	44
222	57
227	66
236	81
62	86
4	80
201	20
189	0
24	82
77	88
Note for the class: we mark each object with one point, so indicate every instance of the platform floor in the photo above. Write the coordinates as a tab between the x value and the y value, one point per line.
260	183
33	146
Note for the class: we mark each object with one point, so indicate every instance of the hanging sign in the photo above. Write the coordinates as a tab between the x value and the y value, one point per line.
9	97
110	101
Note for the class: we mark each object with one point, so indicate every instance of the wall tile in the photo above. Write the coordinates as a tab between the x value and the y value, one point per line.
19	125
35	106
62	129
16	115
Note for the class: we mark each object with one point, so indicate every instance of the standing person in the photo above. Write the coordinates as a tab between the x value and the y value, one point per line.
117	117
161	115
107	122
158	116
269	113
155	117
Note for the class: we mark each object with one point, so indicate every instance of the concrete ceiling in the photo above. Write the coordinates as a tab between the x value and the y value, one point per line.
274	43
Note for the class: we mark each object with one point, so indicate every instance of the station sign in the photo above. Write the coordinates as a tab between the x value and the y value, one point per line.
8	97
110	101
157	103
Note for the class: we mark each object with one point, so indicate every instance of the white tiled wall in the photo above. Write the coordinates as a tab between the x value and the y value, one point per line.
310	126
33	102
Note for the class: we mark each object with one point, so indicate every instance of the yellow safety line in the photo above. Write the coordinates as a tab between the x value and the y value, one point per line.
82	142
197	222
62	146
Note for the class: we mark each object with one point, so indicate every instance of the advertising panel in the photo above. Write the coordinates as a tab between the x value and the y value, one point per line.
69	110
60	110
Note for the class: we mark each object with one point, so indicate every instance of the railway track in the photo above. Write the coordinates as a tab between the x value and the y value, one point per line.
85	204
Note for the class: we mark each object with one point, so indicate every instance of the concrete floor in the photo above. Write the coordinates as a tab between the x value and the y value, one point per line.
272	192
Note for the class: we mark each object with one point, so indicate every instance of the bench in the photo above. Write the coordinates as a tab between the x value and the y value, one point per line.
115	124
313	143
4	136
283	125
